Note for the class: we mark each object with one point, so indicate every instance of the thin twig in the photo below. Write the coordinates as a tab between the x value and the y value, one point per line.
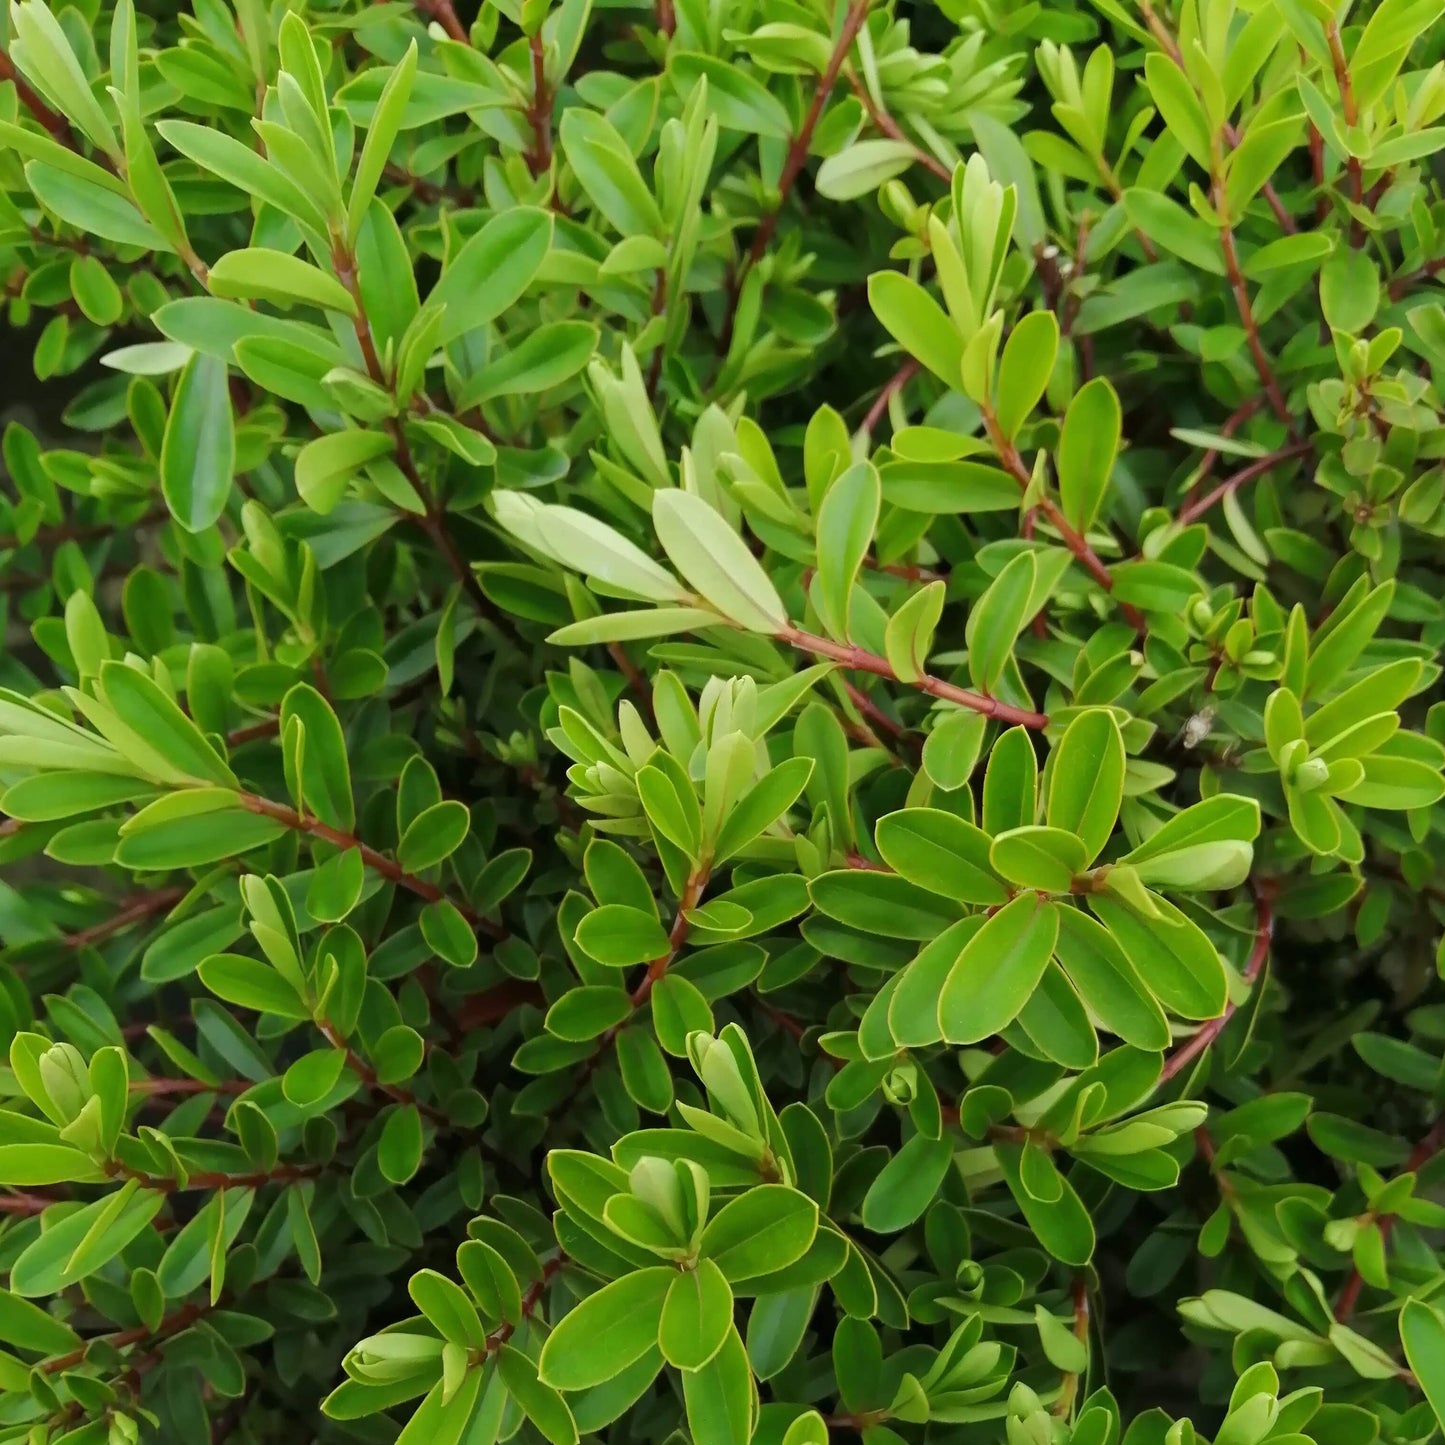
875	714
530	1300
1352	117
55	124
1402	285
1181	1058
853	19
1199	507
849	654
442	12
1069	1388
1246	310
137	1334
432	522
25	1204
1232	423
677	936
1074	540
885	123
84	531
659	308
369	1077
388	868
430	192
138	908
1170	47
793	162
217	1179
539	111
891	387
165	1088
1423	1152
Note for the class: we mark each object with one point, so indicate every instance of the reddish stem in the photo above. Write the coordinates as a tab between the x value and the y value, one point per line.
659	308
441	11
25	1204
1423	1152
539	112
1352	117
785	1021
885	123
1075	541
1181	1058
267	727
368	1076
530	1301
1232	423
433	521
1170	47
873	712
427	191
850	655
83	531
894	384
677	936
692	891
797	155
137	909
218	1179
1198	508
388	868
135	1335
163	1088
1402	285
1069	1388
51	121
793	162
477	1010
1246	310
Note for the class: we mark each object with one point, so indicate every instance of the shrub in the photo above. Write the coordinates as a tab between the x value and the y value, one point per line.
718	723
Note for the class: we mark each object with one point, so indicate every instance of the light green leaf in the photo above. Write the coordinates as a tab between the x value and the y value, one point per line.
325	465
1422	1333
719	1397
907	1184
492	270
607	1331
760	1232
199	454
737	100
715	560
846	522
541	1404
607	172
918	323
696	1317
1087	448
863	167
1086	779
997	619
998	969
261	274
1024	369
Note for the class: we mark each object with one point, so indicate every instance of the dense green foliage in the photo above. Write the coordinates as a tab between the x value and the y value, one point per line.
718	723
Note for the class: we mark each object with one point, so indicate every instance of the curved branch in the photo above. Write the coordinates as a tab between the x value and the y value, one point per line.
1181	1058
388	868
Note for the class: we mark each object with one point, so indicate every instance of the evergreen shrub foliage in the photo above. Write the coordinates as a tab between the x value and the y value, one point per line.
719	723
